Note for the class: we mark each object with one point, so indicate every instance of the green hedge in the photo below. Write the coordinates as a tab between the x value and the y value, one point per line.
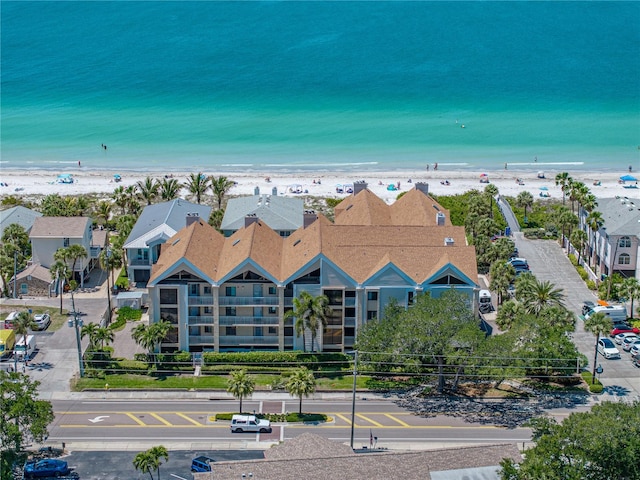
280	417
595	387
313	361
129	314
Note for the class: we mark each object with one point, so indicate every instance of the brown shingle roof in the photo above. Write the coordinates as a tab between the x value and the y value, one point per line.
363	208
416	208
59	227
360	250
328	463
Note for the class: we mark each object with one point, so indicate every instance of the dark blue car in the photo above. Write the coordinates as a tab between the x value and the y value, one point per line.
46	468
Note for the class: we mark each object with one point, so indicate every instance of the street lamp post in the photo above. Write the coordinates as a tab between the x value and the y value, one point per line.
108	263
76	323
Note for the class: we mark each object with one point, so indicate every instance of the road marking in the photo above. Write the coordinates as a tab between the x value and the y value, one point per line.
339	415
388	415
159	418
136	419
182	415
177	476
98	419
368	420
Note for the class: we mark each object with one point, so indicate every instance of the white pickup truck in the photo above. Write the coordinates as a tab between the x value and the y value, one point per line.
249	423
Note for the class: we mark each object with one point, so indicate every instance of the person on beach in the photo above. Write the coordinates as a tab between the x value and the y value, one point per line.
79	163
505	165
435	166
427	167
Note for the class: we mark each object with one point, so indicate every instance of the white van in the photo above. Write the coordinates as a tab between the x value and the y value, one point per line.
249	423
614	312
25	347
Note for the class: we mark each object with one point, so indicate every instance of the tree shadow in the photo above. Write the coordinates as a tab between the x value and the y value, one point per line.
617	390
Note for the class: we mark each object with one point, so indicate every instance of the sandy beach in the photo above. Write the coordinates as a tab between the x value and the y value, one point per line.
508	182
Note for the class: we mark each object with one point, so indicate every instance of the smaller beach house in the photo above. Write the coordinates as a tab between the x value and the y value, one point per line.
154	227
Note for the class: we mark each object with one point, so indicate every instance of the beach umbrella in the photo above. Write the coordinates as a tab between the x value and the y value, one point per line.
544	188
484	175
628	178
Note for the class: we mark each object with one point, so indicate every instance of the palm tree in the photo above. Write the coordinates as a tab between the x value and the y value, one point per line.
120	198
148	189
21	325
491	191
320	311
578	191
524	200
105	335
300	384
301	310
169	189
131	199
149	336
240	385
60	271
579	240
216	217
145	462
75	252
564	180
566	219
158	453
595	223
631	289
103	212
502	275
598	323
508	313
220	187
542	294
90	330
197	184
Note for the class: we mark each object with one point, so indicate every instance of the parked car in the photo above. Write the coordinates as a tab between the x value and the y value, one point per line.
629	342
607	349
635	349
519	263
201	464
50	467
587	306
636	360
624	329
11	318
42	320
619	338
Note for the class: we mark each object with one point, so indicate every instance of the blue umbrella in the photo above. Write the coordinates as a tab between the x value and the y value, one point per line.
544	188
628	178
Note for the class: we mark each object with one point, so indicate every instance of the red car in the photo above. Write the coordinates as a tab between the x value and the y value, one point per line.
616	331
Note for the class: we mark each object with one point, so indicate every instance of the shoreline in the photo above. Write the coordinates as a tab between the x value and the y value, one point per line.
321	183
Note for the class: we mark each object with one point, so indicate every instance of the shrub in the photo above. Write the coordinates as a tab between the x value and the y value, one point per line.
583	273
591	285
573	259
129	313
595	387
313	361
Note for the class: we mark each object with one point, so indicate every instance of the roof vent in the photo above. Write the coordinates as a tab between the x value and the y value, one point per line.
440	219
296	242
236	242
448	242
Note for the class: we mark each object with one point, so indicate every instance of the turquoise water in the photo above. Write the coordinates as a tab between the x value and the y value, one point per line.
320	85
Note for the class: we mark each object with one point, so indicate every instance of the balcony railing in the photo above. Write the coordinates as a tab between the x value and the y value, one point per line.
200	319
237	321
200	299
139	261
246	301
248	340
349	301
201	339
349	321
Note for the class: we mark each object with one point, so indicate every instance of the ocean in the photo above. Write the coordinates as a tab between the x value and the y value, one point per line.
320	86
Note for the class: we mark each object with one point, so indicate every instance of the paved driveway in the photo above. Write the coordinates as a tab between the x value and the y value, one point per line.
548	262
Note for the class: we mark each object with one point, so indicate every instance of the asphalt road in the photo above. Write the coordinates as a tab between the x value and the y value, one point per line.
179	424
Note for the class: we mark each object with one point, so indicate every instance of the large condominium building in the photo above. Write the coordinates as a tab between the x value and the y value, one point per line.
231	293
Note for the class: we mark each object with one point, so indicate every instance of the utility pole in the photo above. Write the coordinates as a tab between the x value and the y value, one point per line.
76	323
15	272
353	396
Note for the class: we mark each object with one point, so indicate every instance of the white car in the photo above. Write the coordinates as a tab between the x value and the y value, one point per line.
635	349
629	342
619	338
607	349
42	320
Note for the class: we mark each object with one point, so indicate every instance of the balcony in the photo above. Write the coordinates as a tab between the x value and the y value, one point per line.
237	340
349	301
239	321
349	321
200	300
139	261
248	301
201	320
201	340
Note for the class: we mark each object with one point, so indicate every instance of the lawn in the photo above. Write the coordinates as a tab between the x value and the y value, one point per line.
57	319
